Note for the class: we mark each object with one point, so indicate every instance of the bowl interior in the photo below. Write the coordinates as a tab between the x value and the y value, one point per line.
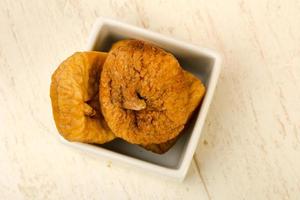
199	64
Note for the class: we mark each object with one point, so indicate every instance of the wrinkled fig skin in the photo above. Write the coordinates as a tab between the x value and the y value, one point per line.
196	93
144	94
74	96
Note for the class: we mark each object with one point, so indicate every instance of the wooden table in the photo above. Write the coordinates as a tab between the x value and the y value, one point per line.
250	146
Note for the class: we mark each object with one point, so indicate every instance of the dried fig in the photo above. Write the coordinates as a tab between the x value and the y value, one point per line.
197	91
75	102
144	94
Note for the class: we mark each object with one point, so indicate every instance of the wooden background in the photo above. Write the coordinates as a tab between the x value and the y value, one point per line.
250	146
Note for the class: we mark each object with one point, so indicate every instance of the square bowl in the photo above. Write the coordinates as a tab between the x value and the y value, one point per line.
203	63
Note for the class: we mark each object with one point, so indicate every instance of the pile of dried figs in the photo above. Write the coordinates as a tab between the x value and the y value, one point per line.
137	92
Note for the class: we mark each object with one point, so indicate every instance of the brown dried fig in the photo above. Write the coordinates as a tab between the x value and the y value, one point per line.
144	95
75	103
196	93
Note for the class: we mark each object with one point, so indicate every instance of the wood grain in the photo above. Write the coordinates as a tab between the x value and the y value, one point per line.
250	145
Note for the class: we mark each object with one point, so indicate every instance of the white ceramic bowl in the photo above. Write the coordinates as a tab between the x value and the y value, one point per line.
204	63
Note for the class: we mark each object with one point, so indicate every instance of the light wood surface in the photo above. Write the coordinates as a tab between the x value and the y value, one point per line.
250	146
